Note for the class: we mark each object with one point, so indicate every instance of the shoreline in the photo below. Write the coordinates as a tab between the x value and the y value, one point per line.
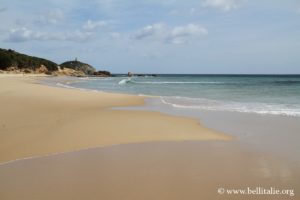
260	132
52	120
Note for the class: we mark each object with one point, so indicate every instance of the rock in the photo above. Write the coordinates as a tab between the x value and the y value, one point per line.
69	72
12	69
48	73
130	74
27	71
102	73
42	69
141	75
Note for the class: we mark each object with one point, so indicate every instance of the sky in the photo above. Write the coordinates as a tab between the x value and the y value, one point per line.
158	36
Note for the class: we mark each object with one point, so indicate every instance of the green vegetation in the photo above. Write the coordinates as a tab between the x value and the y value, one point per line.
11	58
79	66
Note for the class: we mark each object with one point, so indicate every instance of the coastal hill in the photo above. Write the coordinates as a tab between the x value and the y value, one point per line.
11	60
79	66
14	62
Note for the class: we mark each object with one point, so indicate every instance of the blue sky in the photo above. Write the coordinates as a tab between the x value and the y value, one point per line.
154	36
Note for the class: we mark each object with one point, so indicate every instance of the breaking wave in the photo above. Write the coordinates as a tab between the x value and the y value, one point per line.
214	105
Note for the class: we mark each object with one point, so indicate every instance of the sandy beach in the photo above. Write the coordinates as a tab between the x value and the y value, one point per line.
58	143
38	120
150	100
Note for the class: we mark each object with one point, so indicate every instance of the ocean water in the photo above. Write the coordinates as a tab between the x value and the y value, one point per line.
261	94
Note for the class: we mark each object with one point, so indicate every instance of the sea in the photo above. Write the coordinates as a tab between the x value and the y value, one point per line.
259	94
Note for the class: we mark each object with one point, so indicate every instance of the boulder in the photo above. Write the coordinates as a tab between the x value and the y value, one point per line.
129	74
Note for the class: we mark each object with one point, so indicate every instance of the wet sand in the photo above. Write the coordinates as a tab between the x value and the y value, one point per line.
156	170
275	134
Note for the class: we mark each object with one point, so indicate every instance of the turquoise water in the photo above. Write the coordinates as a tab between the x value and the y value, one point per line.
262	94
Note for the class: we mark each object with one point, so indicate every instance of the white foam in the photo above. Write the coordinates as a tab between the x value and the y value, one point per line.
213	105
124	81
65	86
70	87
176	82
96	78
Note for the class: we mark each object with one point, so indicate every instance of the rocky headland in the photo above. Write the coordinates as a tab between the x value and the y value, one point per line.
16	63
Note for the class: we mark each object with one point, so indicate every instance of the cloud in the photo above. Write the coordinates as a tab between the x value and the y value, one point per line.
180	34
156	30
50	18
174	35
225	5
3	9
24	34
91	25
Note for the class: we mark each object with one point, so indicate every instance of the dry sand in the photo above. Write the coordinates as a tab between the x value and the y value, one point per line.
38	120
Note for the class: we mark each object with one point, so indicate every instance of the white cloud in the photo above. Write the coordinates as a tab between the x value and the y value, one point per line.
225	5
155	30
174	35
91	25
24	34
52	17
181	33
